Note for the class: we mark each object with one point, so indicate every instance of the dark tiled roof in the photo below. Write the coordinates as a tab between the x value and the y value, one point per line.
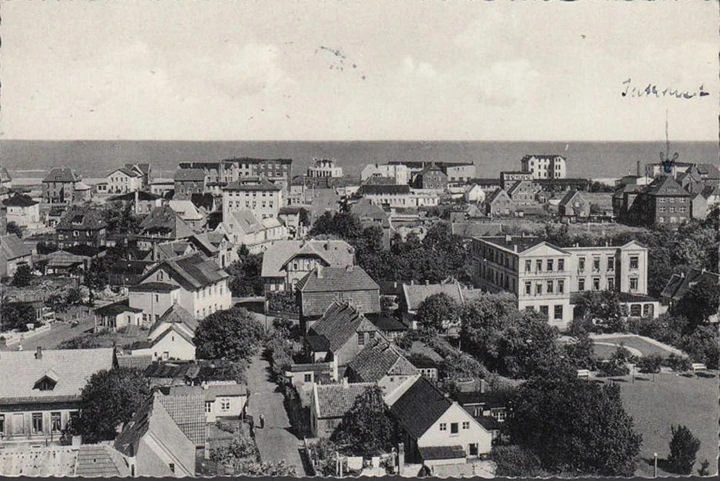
496	194
253	160
386	322
186	406
253	185
378	360
420	407
336	279
679	284
318	343
116	308
164	219
167	370
489	400
339	323
189	175
153	287
61	174
383	189
489	423
334	400
665	186
82	218
434	453
131	196
19	200
11	247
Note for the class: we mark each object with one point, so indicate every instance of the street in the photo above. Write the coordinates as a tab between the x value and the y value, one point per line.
61	331
275	443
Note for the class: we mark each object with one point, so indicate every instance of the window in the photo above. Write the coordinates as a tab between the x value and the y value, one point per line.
661	209
361	338
172	467
561	265
633	284
224	404
443	427
611	283
538	288
544	310
308	377
581	284
528	265
538	265
550	265
558	311
371	335
466	425
611	263
2	424
157	298
549	287
561	286
208	407
160	275
581	264
37	423
596	264
55	421
634	262
596	283
454	428
528	288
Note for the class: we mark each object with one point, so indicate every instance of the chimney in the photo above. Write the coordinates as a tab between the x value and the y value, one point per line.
401	457
320	272
515	248
38	352
345	383
508	238
483	386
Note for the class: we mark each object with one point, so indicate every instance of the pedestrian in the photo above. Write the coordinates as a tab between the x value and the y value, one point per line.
262	421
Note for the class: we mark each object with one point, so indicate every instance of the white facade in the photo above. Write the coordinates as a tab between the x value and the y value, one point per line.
456	427
324	168
473	194
415	198
120	182
224	406
153	303
24	216
399	172
545	166
263	202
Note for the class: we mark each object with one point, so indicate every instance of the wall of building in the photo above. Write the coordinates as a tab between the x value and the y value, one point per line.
235	406
153	304
474	434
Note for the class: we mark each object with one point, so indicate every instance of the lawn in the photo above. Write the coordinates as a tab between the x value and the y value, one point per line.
672	399
635	342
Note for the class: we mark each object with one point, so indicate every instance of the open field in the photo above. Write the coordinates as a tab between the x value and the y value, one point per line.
671	400
606	344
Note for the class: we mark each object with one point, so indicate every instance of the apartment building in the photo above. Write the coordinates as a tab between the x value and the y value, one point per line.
256	194
399	172
324	168
545	166
544	276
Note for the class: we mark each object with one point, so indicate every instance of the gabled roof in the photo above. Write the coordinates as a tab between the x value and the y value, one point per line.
143	168
570	195
71	368
64	259
665	186
192	273
243	220
115	308
140	195
177	315
253	184
19	200
82	218
420	407
189	175
130	172
386	322
164	219
186	210
11	247
337	279
496	194
186	406
336	253
334	400
378	360
61	174
679	284
339	324
100	461
711	171
415	294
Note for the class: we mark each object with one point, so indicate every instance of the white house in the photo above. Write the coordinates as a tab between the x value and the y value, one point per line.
124	180
22	210
244	228
474	194
399	172
445	433
259	195
227	400
189	213
195	283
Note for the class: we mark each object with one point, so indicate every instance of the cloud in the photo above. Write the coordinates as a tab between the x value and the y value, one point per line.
504	83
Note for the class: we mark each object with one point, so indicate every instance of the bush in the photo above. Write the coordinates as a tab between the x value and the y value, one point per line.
678	363
650	364
23	276
283	301
516	461
612	367
683	449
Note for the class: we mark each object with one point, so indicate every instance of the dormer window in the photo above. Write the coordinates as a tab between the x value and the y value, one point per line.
47	382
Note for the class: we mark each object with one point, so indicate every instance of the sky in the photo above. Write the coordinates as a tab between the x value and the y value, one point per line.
356	70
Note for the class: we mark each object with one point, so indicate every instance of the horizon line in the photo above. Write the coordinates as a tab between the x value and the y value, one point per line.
22	139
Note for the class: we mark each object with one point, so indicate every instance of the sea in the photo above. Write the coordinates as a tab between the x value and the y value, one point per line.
31	159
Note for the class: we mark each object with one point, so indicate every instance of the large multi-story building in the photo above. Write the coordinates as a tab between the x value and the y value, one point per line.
545	166
324	168
544	276
125	179
58	186
399	172
256	194
662	202
278	171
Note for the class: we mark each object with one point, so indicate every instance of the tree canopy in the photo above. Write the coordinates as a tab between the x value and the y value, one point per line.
683	450
233	335
366	429
245	274
109	399
700	301
437	310
575	426
23	276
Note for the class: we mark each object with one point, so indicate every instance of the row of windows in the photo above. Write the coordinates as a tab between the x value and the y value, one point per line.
545	311
549	265
672	200
361	337
672	209
249	205
610	264
263	193
37	422
596	284
454	427
551	287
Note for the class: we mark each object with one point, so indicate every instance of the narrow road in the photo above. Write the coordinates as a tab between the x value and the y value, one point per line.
60	332
274	442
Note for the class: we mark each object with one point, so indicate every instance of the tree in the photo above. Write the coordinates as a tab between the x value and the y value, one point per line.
245	274
700	301
601	305
304	217
683	450
515	461
97	278
16	315
436	311
650	364
581	353
703	345
109	399
13	228
366	429
574	426
233	334
23	276
121	219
